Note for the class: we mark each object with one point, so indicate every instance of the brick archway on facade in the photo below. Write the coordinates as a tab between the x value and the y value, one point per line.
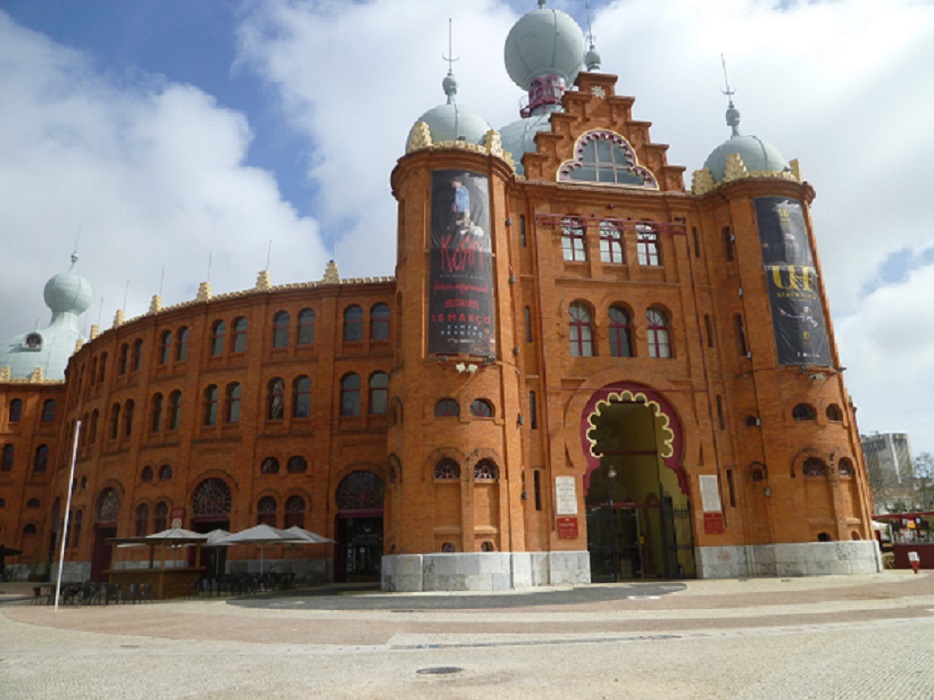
673	438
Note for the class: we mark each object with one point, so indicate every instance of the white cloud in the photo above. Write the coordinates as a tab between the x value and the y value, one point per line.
151	172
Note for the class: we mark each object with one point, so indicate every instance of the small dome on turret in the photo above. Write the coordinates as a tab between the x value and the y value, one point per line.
68	291
757	155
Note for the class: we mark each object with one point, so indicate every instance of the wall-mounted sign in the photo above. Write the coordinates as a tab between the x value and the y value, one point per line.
567	529
565	495
709	493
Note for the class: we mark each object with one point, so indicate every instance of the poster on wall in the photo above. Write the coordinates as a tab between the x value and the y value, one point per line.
461	275
797	312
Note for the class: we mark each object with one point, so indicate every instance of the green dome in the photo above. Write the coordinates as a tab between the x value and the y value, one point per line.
544	42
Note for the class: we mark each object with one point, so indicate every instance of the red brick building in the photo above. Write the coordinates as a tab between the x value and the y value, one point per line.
580	371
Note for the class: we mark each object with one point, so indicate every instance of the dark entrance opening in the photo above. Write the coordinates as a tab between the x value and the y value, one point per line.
359	527
638	520
102	554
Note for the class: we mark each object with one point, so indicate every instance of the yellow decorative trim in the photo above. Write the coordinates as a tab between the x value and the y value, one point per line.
667	448
204	291
262	281
119	318
637	166
331	275
735	168
702	183
420	137
795	169
156	304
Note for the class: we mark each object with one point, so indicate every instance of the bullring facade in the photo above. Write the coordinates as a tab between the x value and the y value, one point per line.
580	371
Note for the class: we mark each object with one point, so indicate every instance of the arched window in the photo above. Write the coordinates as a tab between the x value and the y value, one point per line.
360	490
165	347
481	408
41	460
211	395
729	246
175	409
379	322
238	341
350	395
181	344
165	472
128	408
605	158
48	411
102	368
280	329
447	470
611	244
266	511
620	332
296	465
160	517
123	359
647	245
752	421
845	467
16	411
136	361
306	327
301	397
353	324
30	529
814	466
803	412
275	399
114	421
108	505
573	241
146	475
657	333
211	497
142	520
270	465
447	408
485	470
92	433
156	424
294	512
379	393
580	330
234	392
834	413
218	333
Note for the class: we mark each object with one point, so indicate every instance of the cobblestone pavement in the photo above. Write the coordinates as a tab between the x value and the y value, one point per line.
820	637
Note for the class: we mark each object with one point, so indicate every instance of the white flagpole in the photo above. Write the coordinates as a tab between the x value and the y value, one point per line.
71	483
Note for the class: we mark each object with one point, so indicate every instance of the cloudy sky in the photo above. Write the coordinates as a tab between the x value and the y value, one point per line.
169	133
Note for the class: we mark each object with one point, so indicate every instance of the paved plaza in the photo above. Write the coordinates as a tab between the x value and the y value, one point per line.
866	636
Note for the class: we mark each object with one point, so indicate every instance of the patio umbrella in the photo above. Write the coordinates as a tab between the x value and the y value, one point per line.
215	537
176	535
303	536
262	535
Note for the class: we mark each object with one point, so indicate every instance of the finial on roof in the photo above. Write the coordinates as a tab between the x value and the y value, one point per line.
732	114
450	82
541	4
591	58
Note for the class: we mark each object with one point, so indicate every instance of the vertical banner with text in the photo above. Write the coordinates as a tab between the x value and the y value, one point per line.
797	312
460	304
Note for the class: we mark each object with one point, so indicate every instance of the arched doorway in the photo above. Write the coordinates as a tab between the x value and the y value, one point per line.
638	510
105	527
359	527
210	510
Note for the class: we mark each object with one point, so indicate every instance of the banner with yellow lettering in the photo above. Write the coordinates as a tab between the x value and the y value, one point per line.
797	312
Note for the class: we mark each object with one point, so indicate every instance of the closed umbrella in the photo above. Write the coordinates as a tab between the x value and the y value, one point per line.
303	536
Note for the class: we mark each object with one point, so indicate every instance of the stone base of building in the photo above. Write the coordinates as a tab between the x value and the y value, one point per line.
798	559
483	571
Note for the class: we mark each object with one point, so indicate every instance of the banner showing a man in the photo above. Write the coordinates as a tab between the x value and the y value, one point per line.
782	232
461	277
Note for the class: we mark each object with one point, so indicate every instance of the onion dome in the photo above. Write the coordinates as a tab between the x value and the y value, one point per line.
544	42
68	292
757	155
450	121
45	351
544	53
